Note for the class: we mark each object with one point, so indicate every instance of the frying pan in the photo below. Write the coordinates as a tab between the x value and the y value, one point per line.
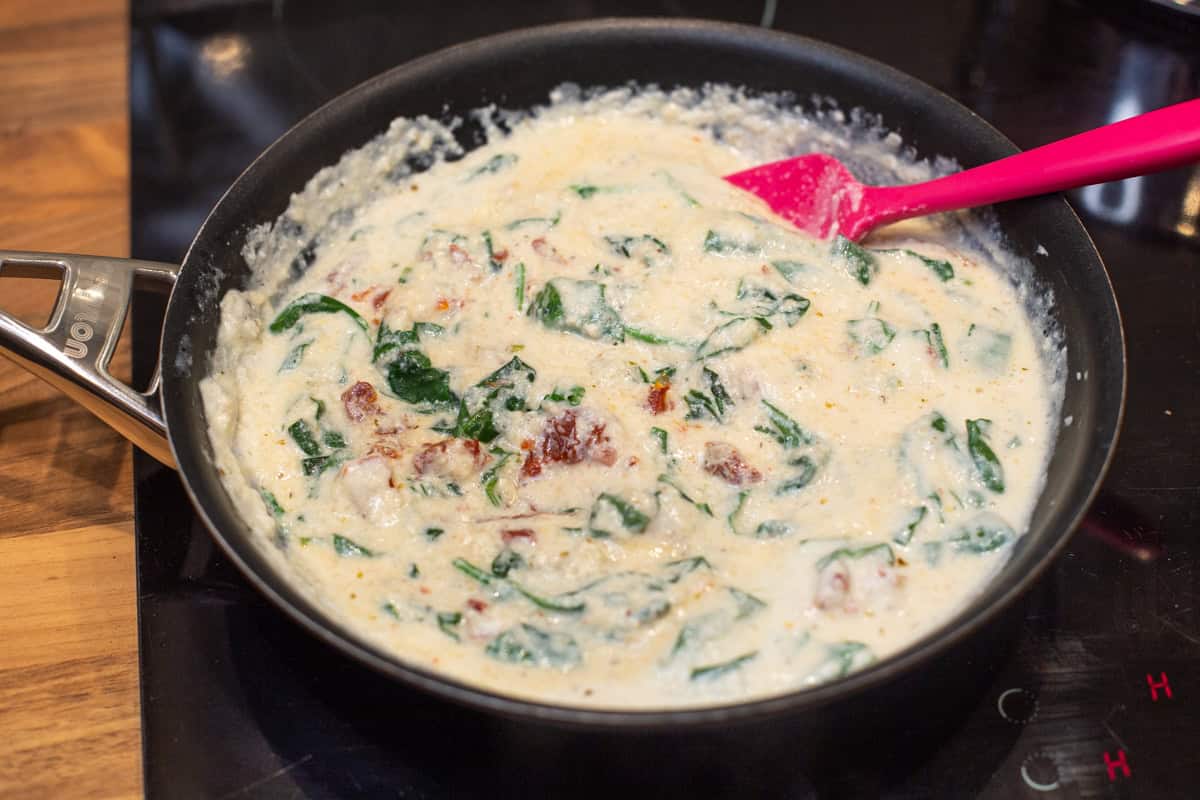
517	70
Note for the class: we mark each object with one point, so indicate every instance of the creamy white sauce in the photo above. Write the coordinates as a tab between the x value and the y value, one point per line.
743	463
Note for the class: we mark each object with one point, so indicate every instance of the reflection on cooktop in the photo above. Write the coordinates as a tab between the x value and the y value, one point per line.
1087	689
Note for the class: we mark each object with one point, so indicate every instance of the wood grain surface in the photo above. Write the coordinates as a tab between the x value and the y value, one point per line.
69	717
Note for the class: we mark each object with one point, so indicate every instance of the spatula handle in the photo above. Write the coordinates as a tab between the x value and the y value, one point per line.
1158	140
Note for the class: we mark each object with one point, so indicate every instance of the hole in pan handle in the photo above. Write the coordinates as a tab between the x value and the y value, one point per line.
73	350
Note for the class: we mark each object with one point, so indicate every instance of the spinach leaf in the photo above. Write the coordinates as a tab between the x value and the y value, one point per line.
491	476
294	356
573	396
937	345
447	621
842	658
527	644
315	465
882	549
584	190
519	291
713	404
728	337
333	439
905	534
983	534
789	269
304	437
281	529
678	187
494	165
503	390
661	436
714	671
388	339
988	348
871	334
859	261
767	529
724	245
346	548
652	338
703	508
766	302
647	247
313	303
413	379
944	270
549	222
432	534
676	570
609	508
490	247
745	603
577	307
986	463
783	428
808	471
506	561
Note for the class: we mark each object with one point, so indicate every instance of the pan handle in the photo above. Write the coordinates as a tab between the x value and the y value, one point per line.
73	351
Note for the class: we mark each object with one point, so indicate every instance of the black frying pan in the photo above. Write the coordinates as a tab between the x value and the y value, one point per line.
517	70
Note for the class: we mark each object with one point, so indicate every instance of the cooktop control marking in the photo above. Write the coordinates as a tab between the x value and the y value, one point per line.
1113	763
1160	684
1017	706
1039	772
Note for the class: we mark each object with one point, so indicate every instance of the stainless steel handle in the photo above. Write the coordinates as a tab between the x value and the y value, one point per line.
73	351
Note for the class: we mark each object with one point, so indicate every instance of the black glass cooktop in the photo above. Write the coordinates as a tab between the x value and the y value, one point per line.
1093	694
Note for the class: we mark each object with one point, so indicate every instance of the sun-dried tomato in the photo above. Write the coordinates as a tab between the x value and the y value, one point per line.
725	462
360	401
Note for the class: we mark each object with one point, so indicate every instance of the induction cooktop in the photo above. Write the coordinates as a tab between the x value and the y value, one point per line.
1095	691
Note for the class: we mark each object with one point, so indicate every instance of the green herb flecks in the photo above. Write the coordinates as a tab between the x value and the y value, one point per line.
986	464
432	534
313	303
653	338
519	289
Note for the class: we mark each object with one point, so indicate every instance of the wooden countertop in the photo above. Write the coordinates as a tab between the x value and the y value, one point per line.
69	716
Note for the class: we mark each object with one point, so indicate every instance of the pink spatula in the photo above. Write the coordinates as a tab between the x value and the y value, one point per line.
820	196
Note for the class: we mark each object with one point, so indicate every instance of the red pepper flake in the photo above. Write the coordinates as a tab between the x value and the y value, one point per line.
459	255
520	533
442	304
360	401
378	300
358	296
725	462
501	254
424	590
527	444
477	605
657	401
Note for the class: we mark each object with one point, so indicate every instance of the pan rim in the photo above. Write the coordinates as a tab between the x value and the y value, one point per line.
953	631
